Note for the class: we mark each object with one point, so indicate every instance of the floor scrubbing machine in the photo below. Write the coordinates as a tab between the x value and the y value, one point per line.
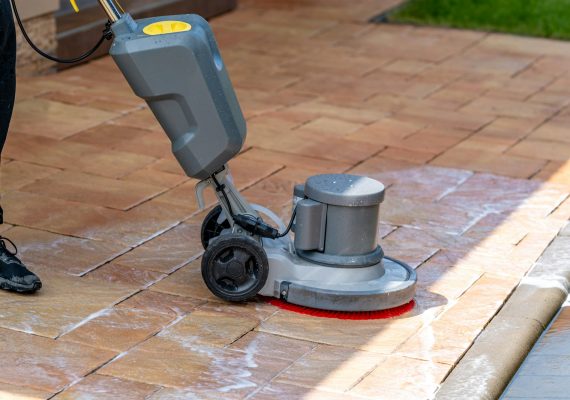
333	260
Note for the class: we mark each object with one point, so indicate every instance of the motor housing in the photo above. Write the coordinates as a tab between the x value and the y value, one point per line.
337	220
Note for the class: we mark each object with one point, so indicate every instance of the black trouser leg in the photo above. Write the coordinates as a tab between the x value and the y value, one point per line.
7	72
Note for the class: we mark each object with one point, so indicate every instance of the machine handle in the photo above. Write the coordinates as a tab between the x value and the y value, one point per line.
74	5
111	7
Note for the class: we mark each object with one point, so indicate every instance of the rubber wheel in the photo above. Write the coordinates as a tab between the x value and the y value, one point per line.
235	267
210	226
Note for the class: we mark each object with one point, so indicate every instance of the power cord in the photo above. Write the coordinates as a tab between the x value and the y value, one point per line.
255	226
107	35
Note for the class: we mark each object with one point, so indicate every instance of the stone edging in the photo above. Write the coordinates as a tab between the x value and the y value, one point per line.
488	366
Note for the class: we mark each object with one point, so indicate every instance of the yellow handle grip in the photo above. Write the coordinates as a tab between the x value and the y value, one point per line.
74	5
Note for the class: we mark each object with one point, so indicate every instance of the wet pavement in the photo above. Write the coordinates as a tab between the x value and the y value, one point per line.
467	130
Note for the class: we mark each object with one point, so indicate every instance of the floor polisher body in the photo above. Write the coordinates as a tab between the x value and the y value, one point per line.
333	260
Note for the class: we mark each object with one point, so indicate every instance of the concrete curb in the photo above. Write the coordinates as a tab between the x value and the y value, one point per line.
488	366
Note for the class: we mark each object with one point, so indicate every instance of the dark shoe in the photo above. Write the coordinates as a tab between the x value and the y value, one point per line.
14	275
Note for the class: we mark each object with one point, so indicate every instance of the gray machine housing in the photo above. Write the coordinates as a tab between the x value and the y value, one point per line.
334	261
183	79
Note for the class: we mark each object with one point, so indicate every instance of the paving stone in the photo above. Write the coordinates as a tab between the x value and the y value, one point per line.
542	149
201	327
17	174
293	160
488	161
201	371
156	178
97	386
45	364
318	369
447	338
50	312
69	254
508	108
147	300
273	346
286	392
118	329
449	218
409	245
504	194
168	251
117	101
410	181
83	157
9	391
557	172
509	128
113	272
187	281
402	377
99	191
380	336
43	118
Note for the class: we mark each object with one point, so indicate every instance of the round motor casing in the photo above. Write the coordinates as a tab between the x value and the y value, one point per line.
337	220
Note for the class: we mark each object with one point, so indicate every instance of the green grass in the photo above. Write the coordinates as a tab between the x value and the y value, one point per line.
546	18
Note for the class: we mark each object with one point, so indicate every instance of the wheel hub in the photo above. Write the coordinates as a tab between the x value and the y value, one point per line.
235	269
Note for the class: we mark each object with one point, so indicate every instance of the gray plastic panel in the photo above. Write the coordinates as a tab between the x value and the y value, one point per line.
310	225
395	288
184	81
344	190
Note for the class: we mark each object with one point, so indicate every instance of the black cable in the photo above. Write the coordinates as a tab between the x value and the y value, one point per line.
250	223
290	224
107	34
220	188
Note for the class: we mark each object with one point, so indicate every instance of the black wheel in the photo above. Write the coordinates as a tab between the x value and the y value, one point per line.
235	267
211	228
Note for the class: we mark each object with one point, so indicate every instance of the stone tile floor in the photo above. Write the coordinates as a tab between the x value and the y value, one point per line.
468	130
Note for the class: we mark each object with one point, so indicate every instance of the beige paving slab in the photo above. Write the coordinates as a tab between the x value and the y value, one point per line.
168	251
330	368
9	392
273	345
45	364
215	329
292	392
99	191
382	336
83	157
44	118
402	378
74	255
101	387
187	281
113	272
16	174
118	329
61	304
195	369
148	300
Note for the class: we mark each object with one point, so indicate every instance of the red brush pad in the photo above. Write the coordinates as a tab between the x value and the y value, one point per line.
354	315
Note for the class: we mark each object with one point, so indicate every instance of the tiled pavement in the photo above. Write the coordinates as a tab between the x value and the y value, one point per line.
468	129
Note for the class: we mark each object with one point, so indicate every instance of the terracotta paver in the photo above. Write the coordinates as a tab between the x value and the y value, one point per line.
467	130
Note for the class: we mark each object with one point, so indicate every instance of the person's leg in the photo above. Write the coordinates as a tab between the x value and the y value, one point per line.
7	68
13	273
